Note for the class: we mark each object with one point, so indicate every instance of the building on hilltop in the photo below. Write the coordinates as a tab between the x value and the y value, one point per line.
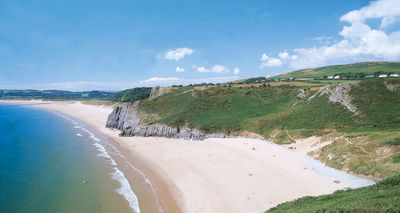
383	76
394	75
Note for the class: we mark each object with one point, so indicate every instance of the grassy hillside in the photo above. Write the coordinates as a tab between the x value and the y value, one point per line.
382	197
131	95
276	113
351	70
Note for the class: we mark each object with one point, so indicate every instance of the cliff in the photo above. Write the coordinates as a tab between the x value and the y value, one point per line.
125	117
337	94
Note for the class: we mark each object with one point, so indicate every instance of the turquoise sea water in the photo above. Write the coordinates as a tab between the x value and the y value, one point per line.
51	164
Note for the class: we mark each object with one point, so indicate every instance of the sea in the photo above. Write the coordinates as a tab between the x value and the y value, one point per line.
52	163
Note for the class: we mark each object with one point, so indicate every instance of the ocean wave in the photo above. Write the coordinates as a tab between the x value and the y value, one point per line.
92	136
104	153
115	151
125	190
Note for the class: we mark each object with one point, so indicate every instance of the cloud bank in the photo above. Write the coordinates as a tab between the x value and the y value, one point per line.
167	81
359	40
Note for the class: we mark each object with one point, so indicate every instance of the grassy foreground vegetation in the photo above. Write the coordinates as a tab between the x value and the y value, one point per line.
382	197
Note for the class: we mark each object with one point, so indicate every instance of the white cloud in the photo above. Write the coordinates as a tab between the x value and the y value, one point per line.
159	79
178	54
201	69
236	71
267	61
359	42
386	10
180	69
219	69
214	69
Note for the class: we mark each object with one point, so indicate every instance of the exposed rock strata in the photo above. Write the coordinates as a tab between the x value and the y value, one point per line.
302	94
125	118
156	92
337	94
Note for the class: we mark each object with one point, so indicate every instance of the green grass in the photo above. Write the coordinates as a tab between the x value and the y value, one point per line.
264	109
396	159
131	95
378	105
360	69
382	197
260	110
395	141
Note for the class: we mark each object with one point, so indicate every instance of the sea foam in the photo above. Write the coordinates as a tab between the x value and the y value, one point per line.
104	153
92	136
125	188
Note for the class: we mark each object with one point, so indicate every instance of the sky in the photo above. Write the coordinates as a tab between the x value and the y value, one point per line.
113	45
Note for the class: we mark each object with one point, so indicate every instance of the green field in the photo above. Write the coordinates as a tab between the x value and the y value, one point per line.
382	197
352	70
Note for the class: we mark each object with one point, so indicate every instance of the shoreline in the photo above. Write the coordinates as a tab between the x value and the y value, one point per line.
191	174
161	186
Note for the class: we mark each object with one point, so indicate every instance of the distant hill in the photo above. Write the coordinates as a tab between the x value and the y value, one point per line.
55	95
348	70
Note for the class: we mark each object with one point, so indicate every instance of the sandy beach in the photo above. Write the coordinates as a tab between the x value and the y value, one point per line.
215	175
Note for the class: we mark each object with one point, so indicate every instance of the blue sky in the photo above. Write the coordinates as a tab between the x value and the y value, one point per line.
95	44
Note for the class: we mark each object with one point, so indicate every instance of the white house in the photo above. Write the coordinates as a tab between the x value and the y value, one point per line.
395	75
330	77
383	76
336	77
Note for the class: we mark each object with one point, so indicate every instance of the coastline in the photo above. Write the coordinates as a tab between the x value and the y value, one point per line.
94	116
222	175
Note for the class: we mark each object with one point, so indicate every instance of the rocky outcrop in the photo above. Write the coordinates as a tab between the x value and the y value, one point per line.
392	87
126	118
302	94
337	94
156	92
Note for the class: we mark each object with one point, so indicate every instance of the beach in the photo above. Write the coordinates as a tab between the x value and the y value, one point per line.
214	175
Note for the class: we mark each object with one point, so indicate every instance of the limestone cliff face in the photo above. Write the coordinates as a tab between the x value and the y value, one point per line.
125	117
338	94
